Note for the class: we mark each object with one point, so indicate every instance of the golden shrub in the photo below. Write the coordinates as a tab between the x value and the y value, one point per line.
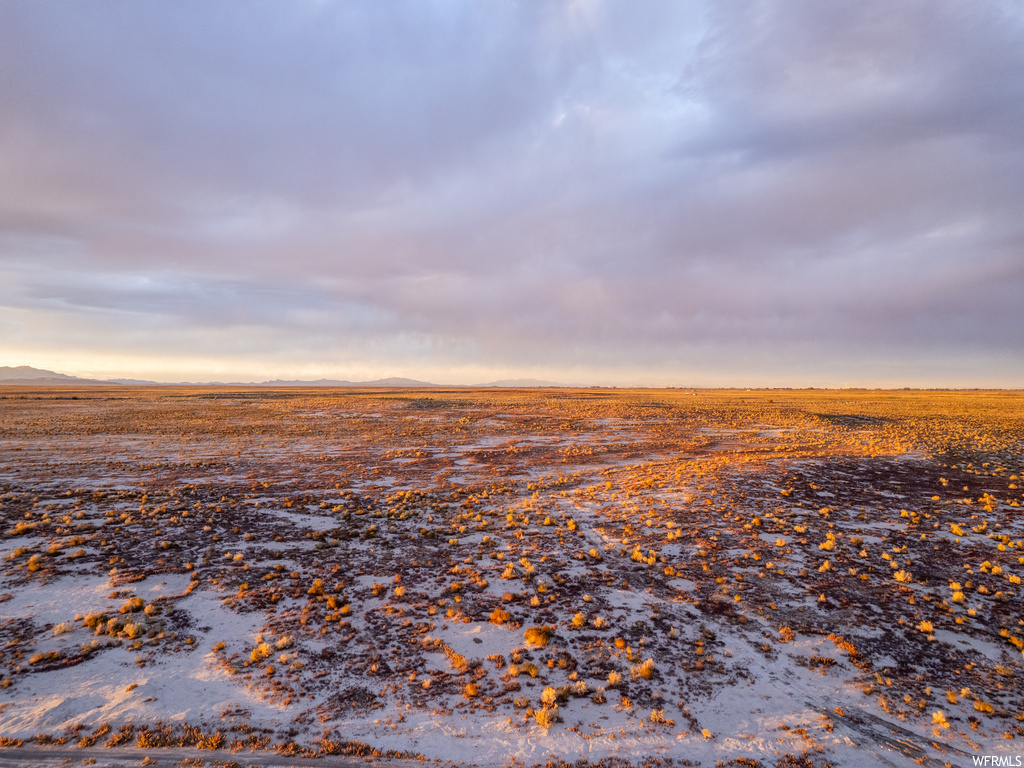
539	636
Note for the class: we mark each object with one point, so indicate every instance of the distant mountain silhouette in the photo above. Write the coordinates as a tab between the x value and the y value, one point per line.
27	375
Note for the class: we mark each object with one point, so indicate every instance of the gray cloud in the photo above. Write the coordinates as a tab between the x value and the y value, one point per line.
750	192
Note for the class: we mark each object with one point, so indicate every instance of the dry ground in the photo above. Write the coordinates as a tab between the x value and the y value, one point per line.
774	578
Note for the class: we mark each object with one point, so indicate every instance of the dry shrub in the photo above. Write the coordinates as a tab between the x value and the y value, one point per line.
843	644
133	606
88	741
155	737
658	717
645	670
95	620
545	717
211	741
549	698
539	636
122	737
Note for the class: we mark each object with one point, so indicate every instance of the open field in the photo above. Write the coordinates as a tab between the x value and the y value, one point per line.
789	578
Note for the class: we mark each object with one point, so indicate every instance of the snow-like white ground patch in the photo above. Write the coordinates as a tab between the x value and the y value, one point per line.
112	686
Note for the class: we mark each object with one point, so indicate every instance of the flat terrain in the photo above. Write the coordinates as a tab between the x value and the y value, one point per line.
793	578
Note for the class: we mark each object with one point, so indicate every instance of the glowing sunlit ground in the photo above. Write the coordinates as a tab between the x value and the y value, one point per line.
761	578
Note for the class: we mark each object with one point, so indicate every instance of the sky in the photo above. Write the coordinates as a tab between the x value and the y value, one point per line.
722	193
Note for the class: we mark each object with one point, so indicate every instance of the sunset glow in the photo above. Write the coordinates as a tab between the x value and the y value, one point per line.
719	194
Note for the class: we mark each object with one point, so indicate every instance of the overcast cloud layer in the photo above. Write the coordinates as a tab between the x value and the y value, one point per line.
748	193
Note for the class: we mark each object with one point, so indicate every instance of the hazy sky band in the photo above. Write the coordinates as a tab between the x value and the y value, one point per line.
723	193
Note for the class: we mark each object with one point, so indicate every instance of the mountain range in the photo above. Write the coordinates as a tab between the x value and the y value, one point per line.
25	375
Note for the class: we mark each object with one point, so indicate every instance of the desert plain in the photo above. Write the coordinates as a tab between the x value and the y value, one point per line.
260	576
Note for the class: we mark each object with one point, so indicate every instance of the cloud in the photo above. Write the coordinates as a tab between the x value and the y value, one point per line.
777	191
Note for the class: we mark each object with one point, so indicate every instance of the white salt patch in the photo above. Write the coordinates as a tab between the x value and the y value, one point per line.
58	601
